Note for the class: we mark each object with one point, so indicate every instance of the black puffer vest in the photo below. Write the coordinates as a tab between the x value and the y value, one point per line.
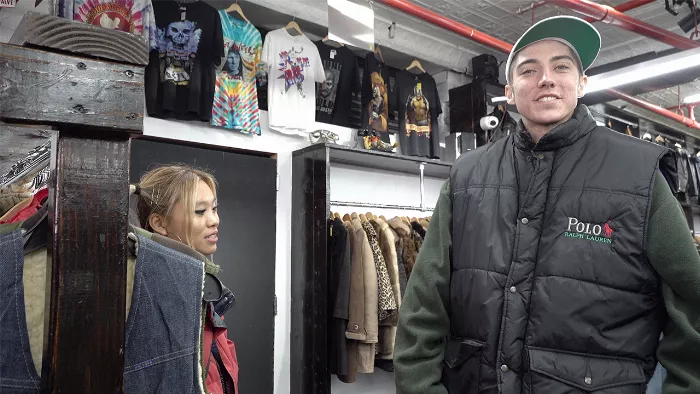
551	290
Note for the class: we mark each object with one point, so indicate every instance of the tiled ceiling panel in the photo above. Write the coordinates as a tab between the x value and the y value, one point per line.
500	19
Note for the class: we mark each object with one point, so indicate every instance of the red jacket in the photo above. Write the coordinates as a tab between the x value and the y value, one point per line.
227	351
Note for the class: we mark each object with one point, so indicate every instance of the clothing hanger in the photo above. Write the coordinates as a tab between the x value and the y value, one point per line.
337	216
293	26
237	9
363	218
413	219
415	63
347	218
382	217
628	131
378	53
354	216
659	139
370	216
332	43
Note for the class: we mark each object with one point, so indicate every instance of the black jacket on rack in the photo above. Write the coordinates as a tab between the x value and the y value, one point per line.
693	185
682	168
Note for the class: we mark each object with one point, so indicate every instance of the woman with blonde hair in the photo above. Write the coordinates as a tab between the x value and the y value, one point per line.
177	207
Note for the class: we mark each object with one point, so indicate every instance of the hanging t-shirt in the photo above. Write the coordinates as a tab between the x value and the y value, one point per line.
334	95
418	111
236	98
261	80
375	97
294	66
181	73
131	16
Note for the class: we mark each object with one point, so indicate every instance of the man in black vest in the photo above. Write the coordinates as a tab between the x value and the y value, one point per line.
556	256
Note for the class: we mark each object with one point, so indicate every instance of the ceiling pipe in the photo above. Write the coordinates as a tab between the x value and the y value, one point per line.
690	122
448	24
624	7
612	16
492	42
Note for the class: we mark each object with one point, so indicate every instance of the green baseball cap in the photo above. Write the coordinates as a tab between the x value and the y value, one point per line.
574	32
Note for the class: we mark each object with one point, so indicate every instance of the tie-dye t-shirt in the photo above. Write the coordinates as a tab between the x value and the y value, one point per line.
236	98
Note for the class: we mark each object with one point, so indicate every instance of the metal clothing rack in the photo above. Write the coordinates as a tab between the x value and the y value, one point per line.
422	207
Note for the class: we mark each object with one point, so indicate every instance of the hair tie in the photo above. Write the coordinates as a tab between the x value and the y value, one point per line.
135	189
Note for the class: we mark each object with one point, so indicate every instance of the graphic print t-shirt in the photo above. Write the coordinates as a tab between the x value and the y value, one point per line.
334	94
294	66
236	98
419	107
181	72
131	16
375	97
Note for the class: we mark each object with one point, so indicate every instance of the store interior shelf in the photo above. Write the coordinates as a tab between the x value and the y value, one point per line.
393	162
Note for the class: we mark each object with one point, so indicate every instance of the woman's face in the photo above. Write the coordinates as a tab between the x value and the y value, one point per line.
205	221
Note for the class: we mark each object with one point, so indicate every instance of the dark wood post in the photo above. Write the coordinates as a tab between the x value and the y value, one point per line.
91	95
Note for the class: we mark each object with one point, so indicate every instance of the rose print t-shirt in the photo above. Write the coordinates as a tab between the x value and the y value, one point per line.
236	98
294	66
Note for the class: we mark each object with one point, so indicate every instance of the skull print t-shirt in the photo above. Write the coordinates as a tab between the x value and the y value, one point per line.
294	66
181	72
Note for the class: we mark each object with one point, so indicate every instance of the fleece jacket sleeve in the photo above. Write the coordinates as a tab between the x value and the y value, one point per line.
673	255
423	317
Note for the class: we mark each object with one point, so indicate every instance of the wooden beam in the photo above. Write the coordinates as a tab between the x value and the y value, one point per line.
49	88
59	34
86	276
16	142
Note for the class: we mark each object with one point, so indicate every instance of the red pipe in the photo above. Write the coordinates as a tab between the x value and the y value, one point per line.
655	108
624	7
612	16
448	24
483	38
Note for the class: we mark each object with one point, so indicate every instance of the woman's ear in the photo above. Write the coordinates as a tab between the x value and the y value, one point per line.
158	223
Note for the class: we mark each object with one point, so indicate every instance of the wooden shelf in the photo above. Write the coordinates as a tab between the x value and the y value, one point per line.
393	162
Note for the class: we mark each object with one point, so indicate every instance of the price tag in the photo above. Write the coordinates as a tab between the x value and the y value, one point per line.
420	86
7	3
333	52
183	13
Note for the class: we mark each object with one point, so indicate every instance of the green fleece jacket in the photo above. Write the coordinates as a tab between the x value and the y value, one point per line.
424	321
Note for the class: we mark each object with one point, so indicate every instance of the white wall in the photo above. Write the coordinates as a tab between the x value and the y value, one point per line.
347	184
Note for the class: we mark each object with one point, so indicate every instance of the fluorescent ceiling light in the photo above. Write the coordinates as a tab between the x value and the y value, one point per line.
360	13
692	99
499	99
645	70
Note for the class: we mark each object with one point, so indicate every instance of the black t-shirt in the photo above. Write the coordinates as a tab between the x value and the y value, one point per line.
375	97
181	73
261	80
334	95
419	107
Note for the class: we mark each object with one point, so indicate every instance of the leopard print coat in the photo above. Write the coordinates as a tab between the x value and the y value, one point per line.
387	302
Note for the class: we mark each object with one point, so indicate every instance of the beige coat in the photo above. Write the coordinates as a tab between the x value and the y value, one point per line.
366	348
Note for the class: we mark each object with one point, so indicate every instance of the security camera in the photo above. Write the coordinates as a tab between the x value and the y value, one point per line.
488	123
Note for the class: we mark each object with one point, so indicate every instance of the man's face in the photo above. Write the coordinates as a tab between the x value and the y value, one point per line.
545	84
327	85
